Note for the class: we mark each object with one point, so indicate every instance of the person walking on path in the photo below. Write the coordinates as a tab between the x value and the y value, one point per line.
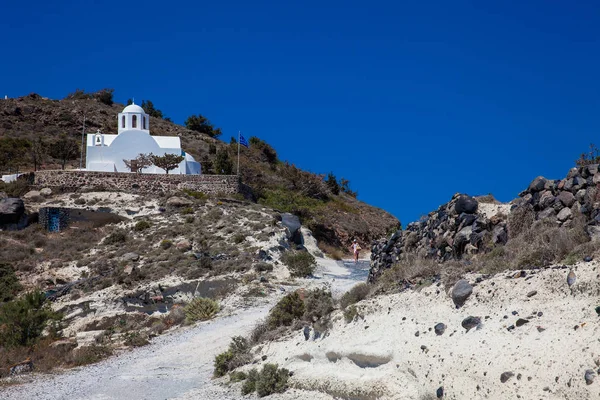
355	250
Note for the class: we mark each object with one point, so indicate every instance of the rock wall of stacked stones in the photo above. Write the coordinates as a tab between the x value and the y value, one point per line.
561	200
135	183
457	227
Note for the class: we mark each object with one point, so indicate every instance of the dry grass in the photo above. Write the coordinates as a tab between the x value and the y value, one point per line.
520	219
332	251
537	244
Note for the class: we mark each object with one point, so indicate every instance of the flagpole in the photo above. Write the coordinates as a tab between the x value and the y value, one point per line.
238	169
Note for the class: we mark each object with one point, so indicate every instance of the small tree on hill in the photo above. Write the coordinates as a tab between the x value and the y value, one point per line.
78	94
139	163
201	124
268	153
167	162
105	96
592	157
38	152
223	164
64	149
345	186
150	110
12	152
332	184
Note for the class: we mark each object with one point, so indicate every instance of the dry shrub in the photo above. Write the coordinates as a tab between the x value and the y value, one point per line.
520	220
44	355
545	242
590	248
91	354
411	266
357	293
332	251
488	198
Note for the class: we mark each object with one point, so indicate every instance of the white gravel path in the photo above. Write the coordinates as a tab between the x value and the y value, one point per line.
175	365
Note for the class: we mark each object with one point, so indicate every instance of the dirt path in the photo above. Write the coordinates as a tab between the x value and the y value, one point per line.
174	364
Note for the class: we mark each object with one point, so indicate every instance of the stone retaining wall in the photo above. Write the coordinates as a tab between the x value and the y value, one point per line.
135	183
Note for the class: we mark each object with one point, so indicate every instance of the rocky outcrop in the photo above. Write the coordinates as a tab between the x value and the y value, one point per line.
458	227
564	199
292	227
12	210
454	229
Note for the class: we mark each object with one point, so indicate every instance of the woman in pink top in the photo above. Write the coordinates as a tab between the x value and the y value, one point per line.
355	249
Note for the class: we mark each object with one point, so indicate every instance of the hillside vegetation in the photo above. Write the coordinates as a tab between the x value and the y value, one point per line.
41	133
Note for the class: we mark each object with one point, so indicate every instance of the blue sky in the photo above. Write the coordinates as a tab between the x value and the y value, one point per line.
410	101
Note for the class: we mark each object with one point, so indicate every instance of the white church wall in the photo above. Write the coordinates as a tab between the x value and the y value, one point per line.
106	153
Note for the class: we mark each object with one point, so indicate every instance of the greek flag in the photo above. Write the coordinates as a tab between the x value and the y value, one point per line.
243	141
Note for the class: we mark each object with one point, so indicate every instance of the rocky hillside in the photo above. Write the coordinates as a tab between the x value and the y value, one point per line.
32	116
336	218
550	221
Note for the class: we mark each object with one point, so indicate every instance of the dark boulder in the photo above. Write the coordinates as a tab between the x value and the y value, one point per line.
467	219
546	199
440	328
471	322
538	184
461	292
292	225
547	213
499	235
566	198
505	376
480	225
12	210
465	204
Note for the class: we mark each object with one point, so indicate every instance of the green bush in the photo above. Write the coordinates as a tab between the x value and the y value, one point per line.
288	309
166	244
300	263
195	194
350	313
187	211
237	355
222	363
357	293
117	237
201	309
237	376
263	267
22	321
250	385
9	284
318	304
189	219
141	226
16	188
271	380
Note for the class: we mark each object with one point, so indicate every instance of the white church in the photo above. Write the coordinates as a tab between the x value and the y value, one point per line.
106	152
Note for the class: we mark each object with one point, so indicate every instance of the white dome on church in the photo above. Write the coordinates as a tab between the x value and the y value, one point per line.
134	108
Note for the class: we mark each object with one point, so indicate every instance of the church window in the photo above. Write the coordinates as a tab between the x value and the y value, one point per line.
144	122
134	121
123	122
